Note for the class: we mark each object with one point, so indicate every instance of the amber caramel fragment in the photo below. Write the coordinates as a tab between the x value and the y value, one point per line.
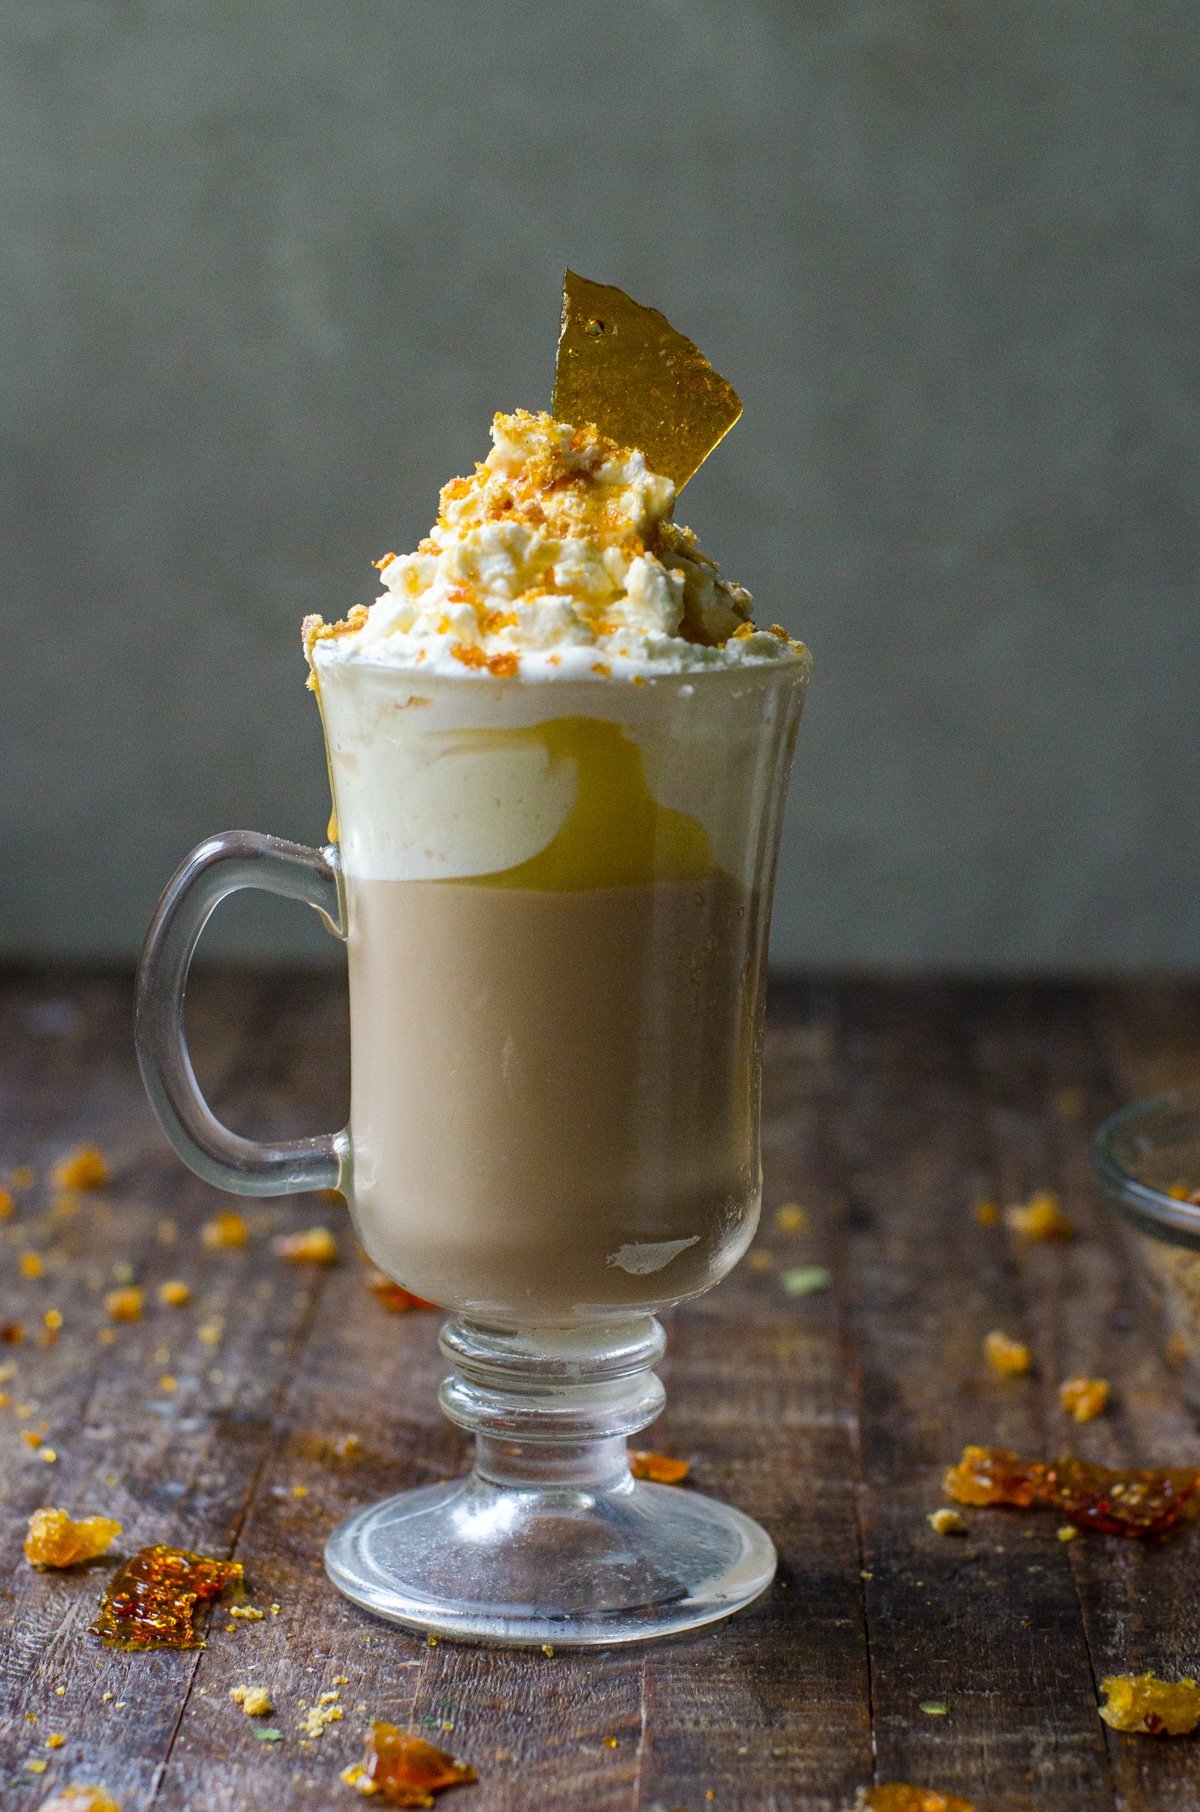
1041	1217
1155	1707
55	1541
1084	1398
895	1796
393	1295
1008	1357
315	1246
7	1205
1144	1505
175	1293
625	370
150	1601
407	1770
86	1168
79	1797
11	1333
987	1213
993	1475
947	1522
660	1468
225	1229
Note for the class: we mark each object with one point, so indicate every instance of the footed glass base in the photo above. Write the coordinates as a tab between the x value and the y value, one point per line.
550	1540
485	1562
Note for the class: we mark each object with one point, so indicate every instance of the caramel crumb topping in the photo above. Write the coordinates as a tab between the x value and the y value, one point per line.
174	1293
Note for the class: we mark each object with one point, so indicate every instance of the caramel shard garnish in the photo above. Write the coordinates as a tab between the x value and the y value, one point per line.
315	1246
623	369
660	1468
1155	1707
79	1797
125	1304
1144	1505
406	1769
151	1599
55	1541
895	1796
393	1295
86	1168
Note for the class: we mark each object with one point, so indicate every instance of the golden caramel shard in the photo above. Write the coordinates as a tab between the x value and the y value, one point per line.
407	1770
1155	1707
55	1541
625	370
895	1796
151	1599
1143	1504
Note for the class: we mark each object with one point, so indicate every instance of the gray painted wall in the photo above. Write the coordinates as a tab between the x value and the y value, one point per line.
269	267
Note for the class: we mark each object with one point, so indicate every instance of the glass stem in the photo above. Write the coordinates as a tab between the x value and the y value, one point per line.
553	1406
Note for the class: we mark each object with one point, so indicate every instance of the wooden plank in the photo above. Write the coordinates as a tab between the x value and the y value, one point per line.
986	1625
173	1465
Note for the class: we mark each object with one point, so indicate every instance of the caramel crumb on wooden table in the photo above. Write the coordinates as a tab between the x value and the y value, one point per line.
86	1168
659	1468
791	1218
7	1205
125	1304
1008	1357
255	1701
1153	1707
228	1228
79	1797
947	1522
30	1265
1040	1218
315	1246
55	1541
174	1293
1084	1398
393	1296
896	1796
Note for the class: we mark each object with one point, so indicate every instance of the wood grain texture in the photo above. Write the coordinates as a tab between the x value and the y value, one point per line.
890	1109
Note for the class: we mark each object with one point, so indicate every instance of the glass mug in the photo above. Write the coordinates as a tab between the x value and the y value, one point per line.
555	898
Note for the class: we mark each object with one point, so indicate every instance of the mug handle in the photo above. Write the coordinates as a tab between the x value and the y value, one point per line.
216	868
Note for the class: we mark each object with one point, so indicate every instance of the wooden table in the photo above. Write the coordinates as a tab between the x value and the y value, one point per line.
891	1109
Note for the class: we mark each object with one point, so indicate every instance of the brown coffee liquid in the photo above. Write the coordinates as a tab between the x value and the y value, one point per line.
554	1091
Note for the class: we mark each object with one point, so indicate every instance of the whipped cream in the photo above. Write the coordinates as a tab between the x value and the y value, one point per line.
557	558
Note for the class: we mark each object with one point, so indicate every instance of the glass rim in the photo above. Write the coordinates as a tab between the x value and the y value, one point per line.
1141	1202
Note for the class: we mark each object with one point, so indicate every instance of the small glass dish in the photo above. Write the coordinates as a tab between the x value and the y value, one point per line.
1148	1159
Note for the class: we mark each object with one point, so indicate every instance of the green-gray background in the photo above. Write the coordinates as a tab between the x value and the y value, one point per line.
268	269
